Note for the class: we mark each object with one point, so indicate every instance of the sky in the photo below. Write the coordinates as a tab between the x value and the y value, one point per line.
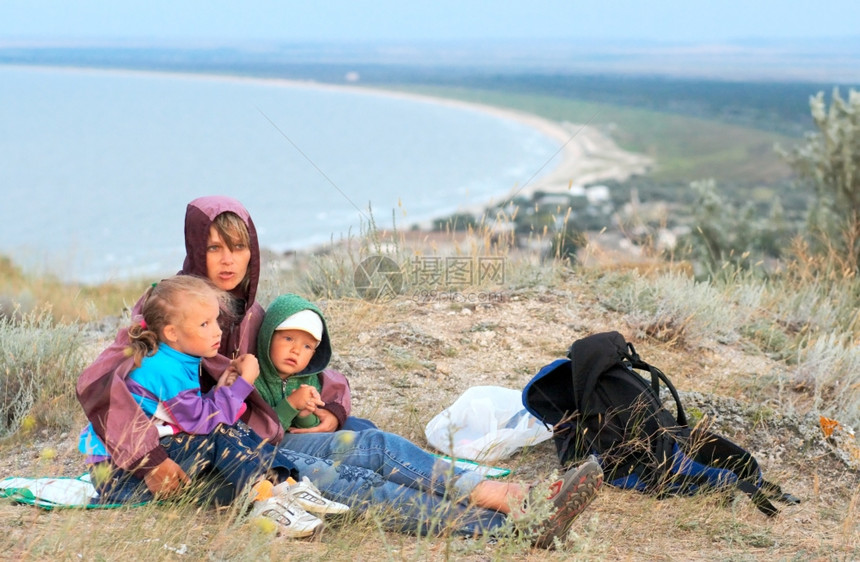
404	21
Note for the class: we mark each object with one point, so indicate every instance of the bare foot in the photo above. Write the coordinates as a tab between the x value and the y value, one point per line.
499	496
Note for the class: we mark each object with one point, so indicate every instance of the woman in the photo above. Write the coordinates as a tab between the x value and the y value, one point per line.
221	244
115	416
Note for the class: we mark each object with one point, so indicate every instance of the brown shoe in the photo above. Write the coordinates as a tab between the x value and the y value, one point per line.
570	495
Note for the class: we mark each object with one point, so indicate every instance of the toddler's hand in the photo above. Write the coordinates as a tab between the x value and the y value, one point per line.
305	398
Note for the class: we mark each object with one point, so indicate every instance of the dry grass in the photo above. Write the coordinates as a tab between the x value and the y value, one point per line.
409	358
21	294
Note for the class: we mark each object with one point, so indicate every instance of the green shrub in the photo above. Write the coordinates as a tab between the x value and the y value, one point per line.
829	365
39	364
670	307
827	162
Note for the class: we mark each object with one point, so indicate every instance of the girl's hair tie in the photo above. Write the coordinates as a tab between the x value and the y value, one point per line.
143	324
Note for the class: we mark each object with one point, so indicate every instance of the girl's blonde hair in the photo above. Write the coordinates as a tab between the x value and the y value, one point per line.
163	304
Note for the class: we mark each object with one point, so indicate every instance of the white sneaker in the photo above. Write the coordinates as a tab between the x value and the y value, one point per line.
292	520
308	496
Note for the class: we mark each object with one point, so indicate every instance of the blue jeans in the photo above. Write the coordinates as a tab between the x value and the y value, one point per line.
403	508
393	457
234	453
353	423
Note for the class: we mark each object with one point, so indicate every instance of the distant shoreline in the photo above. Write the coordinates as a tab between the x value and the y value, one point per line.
587	155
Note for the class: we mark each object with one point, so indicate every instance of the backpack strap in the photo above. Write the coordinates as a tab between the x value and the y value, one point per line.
715	450
759	498
656	376
762	495
774	492
694	473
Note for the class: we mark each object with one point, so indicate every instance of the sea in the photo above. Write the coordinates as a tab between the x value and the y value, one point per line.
97	166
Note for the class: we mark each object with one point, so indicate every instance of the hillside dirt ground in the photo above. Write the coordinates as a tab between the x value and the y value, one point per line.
408	360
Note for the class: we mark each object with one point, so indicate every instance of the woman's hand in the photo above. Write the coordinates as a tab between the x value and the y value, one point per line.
167	479
328	423
228	377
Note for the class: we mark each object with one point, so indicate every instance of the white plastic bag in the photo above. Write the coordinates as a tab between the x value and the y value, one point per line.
486	423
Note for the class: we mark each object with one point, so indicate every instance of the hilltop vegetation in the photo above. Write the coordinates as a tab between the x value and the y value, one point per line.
758	360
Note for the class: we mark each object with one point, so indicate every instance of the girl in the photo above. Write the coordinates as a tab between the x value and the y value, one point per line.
180	328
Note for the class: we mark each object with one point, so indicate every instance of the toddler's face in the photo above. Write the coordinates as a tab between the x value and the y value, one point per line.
291	351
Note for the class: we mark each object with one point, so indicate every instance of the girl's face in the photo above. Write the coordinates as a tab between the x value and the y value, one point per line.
197	332
226	268
291	351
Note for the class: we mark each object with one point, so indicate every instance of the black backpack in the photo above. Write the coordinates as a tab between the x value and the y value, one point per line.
597	403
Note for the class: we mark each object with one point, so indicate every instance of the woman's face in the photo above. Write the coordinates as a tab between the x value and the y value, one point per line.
226	268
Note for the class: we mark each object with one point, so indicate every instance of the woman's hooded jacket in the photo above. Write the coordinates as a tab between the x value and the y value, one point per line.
129	437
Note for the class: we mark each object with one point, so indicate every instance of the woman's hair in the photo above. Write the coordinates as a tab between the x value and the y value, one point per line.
232	230
163	304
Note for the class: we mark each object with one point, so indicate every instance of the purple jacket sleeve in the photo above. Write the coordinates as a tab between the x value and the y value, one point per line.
259	415
117	419
335	393
200	414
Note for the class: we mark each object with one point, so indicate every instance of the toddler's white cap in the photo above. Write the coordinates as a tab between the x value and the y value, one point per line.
306	321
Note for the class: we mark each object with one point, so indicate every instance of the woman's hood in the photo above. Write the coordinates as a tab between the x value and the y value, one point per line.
199	216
